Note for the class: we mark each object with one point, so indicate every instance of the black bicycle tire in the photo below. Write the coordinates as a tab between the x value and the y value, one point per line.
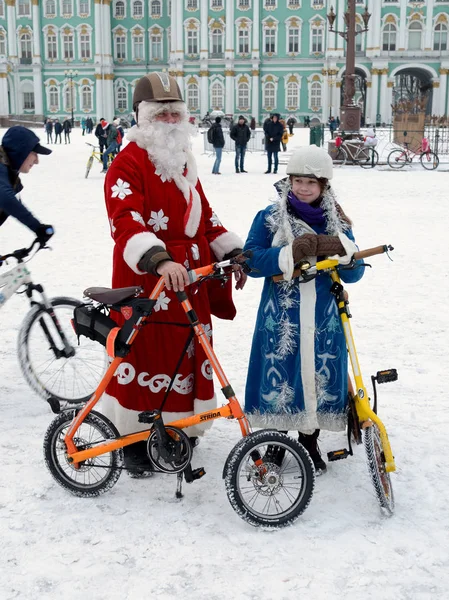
50	446
379	477
23	352
396	165
370	163
237	457
427	161
341	157
89	166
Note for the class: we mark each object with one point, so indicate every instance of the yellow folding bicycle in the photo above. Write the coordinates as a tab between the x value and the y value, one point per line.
96	155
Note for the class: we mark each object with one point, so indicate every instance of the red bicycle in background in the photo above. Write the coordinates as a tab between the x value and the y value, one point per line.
400	157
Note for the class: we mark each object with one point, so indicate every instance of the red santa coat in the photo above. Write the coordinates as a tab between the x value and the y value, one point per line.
144	212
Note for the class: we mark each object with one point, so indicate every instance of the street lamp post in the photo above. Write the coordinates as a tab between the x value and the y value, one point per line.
70	75
349	112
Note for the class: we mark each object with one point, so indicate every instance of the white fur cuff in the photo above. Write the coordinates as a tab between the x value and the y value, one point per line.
225	243
349	247
286	263
136	247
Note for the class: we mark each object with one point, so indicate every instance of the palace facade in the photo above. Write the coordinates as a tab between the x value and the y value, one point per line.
248	57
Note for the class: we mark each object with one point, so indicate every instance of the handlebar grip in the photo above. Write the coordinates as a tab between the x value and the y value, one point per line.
372	251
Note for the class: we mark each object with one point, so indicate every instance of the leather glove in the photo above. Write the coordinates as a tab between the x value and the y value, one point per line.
152	259
44	233
310	244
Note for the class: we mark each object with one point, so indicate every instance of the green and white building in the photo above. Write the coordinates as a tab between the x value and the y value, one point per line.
246	57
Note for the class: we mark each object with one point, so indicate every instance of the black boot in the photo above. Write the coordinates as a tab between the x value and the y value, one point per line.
137	462
310	443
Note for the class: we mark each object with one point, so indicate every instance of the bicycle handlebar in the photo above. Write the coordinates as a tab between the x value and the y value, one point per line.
329	263
22	253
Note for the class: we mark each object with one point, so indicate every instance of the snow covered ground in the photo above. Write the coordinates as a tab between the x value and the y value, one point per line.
137	541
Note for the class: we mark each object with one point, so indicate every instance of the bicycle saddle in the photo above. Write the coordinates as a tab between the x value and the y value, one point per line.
109	296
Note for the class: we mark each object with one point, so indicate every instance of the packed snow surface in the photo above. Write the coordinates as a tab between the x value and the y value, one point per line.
138	542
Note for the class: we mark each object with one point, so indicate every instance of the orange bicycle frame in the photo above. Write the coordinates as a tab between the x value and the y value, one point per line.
231	410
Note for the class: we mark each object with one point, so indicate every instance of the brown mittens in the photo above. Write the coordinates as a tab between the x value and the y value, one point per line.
310	244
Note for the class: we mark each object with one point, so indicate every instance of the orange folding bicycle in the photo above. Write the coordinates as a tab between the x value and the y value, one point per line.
269	476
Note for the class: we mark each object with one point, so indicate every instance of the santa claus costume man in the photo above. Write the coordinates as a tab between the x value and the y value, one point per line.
162	225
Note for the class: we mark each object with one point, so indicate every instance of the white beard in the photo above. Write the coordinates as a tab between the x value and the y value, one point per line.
167	144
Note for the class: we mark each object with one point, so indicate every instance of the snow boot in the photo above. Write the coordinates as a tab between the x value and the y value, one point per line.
310	443
137	462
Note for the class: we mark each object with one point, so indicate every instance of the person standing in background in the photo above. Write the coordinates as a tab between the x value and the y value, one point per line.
218	142
241	134
58	131
67	128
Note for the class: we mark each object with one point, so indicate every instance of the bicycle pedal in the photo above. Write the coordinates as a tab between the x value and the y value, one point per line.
193	474
338	455
386	376
148	416
55	405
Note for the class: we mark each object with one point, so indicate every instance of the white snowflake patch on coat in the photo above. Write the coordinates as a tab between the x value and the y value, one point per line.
158	220
162	302
137	217
215	220
121	189
113	227
195	252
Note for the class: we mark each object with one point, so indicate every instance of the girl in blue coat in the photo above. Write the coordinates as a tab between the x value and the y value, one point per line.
298	370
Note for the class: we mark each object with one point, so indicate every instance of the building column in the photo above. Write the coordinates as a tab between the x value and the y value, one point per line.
255	94
229	32
369	101
108	96
104	90
99	100
383	96
429	26
230	92
341	7
325	95
374	94
37	61
388	102
436	97
179	32
443	91
204	92
204	33
337	97
370	43
4	108
12	26
402	25
375	23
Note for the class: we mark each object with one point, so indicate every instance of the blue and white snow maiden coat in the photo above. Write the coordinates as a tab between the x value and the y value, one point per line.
298	369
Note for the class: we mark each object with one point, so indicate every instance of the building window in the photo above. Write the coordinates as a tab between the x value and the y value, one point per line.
119	9
120	47
50	8
217	96
2	8
25	48
156	10
358	39
85	46
217	4
156	50
28	100
270	3
269	96
84	7
67	42
317	39
389	37
217	43
192	41
67	8
440	37
293	40
2	44
192	4
292	95
86	98
244	4
53	98
52	46
270	40
315	95
137	9
24	10
138	50
243	41
296	3
68	99
414	36
193	96
122	98
243	96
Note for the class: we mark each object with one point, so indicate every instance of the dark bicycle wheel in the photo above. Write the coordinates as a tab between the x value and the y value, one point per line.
341	157
53	372
369	160
376	465
429	160
269	479
397	159
89	166
94	476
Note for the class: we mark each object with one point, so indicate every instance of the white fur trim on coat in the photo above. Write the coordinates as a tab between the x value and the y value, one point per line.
136	247
286	263
126	420
225	243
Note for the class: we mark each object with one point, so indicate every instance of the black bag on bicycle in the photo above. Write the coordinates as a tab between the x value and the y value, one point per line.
93	323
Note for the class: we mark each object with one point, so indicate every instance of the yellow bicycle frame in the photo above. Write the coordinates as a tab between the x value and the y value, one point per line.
366	416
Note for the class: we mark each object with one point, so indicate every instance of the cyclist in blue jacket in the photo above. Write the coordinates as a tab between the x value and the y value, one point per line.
19	152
